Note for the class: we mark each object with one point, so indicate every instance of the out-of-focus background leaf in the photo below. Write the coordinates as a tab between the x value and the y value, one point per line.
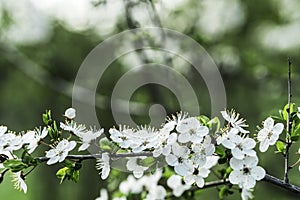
43	43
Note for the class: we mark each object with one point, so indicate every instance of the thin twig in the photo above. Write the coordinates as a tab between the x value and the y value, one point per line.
288	126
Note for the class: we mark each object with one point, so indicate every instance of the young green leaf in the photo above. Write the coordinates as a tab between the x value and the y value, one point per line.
280	146
14	165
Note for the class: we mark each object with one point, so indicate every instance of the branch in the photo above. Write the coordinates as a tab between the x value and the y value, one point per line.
282	184
95	156
288	128
267	178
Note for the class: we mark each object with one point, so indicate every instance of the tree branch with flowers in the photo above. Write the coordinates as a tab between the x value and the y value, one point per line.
186	154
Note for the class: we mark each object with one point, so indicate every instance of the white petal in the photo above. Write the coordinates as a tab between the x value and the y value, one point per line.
236	164
249	143
203	172
131	164
225	115
189	179
258	173
269	123
157	152
278	128
264	145
3	129
83	147
105	172
262	134
250	161
70	113
51	153
228	143
139	172
71	145
202	131
237	153
52	160
199	181
184	137
235	177
63	155
249	182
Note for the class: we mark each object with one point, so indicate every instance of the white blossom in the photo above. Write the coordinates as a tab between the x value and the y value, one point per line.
175	183
60	152
240	147
138	170
144	138
191	130
147	183
131	185
34	138
201	172
224	138
202	151
269	134
70	113
165	149
233	118
103	165
156	193
73	128
122	136
179	160
18	181
246	172
88	137
103	195
15	142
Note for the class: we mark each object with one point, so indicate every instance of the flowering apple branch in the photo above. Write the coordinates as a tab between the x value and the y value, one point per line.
187	148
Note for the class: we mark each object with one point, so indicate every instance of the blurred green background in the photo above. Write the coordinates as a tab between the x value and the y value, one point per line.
43	43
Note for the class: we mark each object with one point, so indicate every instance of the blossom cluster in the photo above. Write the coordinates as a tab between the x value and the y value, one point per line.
188	146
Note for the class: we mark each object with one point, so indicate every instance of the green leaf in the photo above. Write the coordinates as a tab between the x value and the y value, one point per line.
203	120
285	110
62	173
215	124
220	152
14	165
280	146
295	138
147	162
108	145
224	191
75	176
47	117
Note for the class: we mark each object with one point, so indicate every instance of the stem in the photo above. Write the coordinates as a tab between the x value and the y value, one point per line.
288	126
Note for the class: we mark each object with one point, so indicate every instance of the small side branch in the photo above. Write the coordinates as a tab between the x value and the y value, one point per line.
288	126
